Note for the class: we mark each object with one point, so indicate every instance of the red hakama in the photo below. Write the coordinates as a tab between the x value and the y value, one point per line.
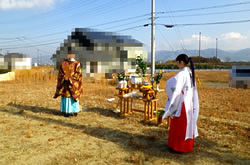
177	133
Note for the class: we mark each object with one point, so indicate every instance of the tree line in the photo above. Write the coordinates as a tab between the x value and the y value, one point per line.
201	63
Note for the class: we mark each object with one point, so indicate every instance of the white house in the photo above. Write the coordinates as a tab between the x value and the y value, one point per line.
18	61
101	53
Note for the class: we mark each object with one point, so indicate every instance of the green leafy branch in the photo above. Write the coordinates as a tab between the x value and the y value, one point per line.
141	66
158	77
121	76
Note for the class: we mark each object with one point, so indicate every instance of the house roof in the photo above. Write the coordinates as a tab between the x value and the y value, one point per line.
107	37
16	55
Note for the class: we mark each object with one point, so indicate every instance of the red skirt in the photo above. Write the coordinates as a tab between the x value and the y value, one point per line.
177	133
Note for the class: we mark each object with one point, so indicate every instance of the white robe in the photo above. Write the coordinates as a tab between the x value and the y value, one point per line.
174	87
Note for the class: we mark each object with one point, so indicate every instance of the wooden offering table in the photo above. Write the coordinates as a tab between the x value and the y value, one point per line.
124	102
149	102
149	107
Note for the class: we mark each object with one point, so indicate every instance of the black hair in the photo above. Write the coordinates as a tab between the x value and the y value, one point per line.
70	50
186	60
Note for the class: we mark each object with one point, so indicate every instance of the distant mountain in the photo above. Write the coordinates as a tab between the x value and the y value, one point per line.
240	55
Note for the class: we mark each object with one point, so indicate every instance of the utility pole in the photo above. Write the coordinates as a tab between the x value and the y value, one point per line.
216	52
153	39
37	57
216	48
200	50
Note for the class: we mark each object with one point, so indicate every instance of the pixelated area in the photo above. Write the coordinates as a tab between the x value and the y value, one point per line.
13	61
101	53
239	77
3	64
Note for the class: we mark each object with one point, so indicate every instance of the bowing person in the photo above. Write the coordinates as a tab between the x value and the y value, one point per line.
182	106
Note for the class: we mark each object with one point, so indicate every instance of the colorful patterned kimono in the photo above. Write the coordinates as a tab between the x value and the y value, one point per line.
69	85
183	108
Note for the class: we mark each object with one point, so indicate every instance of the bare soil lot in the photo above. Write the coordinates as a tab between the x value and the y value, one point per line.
32	131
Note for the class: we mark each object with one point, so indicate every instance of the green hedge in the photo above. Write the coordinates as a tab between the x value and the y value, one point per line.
2	71
212	65
202	66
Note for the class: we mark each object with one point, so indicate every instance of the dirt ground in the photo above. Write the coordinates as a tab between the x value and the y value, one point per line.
32	130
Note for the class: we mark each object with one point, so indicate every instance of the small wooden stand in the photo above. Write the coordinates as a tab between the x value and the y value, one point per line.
135	86
148	110
124	102
149	102
123	91
149	107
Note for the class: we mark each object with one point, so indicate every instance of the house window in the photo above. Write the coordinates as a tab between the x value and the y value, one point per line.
93	67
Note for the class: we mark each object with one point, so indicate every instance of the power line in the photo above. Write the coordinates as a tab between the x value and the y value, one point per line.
15	39
121	20
104	5
163	36
51	34
51	43
209	23
7	38
140	26
23	38
33	42
119	7
206	8
51	23
107	23
35	47
177	31
66	20
54	13
128	23
204	14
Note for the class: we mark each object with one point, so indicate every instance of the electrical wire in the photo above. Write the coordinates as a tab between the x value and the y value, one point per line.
205	14
177	31
68	19
135	27
51	43
206	8
53	13
208	23
15	39
163	36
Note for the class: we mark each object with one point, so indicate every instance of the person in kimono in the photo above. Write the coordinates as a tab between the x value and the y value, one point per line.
182	106
69	85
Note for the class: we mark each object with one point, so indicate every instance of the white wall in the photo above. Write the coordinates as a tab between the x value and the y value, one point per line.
23	63
7	76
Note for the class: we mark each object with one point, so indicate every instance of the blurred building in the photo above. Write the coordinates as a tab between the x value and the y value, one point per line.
239	77
3	64
17	61
101	53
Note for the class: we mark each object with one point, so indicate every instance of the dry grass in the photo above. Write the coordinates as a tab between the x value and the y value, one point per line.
33	131
47	74
35	74
205	76
213	76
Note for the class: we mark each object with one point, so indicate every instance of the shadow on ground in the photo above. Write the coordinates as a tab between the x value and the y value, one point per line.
151	143
36	109
104	112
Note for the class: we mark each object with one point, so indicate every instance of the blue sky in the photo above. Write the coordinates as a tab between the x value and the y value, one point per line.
46	23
